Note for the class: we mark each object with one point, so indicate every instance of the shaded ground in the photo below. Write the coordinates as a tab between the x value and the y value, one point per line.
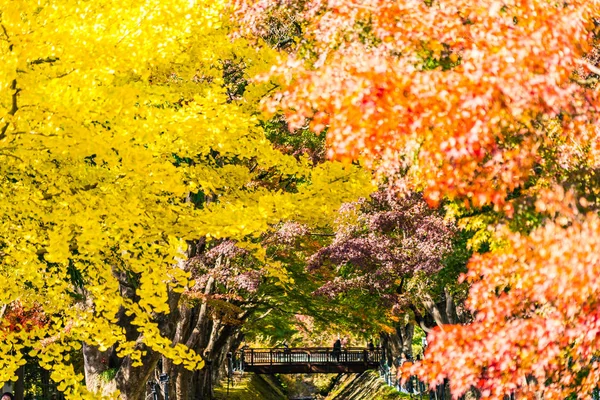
251	387
302	386
366	386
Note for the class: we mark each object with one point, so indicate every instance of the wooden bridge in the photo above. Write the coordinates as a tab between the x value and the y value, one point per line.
306	360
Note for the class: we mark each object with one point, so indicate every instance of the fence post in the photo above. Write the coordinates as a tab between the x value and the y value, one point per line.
164	379
154	392
229	370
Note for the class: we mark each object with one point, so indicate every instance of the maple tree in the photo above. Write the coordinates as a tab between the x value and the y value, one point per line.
396	255
456	85
124	148
306	317
539	295
490	103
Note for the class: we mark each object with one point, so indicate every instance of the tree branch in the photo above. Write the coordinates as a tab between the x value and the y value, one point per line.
12	156
13	86
201	316
586	82
47	60
589	66
14	108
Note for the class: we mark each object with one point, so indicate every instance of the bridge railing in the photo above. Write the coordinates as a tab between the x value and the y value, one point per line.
306	355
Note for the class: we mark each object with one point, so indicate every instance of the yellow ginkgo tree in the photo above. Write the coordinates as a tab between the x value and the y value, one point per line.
114	122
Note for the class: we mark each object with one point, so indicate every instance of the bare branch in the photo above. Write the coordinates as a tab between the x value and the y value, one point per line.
47	60
14	108
589	66
12	156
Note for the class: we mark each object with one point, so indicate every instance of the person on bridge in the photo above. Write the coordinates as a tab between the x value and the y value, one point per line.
371	348
337	349
287	353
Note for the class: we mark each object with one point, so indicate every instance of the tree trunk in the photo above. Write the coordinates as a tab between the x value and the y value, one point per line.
394	344
132	381
442	313
406	333
451	314
19	384
219	340
129	380
94	364
438	313
211	338
45	378
192	326
202	385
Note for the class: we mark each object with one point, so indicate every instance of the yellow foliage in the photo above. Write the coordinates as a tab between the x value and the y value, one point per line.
111	114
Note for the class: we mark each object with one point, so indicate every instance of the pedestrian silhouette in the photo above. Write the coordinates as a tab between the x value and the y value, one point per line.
337	349
287	353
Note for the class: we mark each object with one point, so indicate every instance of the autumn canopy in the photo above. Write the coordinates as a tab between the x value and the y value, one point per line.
176	176
478	104
124	157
